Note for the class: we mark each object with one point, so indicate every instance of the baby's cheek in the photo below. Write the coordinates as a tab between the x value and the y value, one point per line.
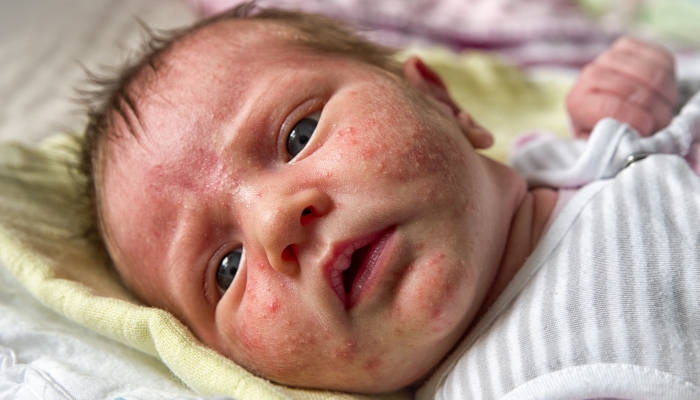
276	339
433	299
398	147
283	341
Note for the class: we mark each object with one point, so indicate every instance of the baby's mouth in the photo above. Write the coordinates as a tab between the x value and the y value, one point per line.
353	266
356	262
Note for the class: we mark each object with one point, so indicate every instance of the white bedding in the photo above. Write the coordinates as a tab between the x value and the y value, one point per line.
43	355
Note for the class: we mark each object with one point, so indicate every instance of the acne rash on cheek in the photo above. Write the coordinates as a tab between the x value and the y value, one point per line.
271	334
279	344
372	365
398	147
346	352
433	299
273	306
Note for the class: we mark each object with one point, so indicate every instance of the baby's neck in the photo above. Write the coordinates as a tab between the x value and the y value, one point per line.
527	227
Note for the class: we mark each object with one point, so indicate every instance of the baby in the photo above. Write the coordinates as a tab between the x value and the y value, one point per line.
315	211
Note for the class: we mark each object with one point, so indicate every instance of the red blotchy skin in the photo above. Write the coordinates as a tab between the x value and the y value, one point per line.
265	308
346	352
372	364
274	306
191	173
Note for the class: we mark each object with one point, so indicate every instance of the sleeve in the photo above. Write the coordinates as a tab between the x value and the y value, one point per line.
611	147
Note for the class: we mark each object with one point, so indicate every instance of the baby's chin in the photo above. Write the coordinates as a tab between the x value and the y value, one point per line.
348	382
364	378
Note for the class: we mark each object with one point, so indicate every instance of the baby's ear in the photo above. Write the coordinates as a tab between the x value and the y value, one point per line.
429	82
421	76
479	137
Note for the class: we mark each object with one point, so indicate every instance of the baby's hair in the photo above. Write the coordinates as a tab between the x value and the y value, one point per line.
115	99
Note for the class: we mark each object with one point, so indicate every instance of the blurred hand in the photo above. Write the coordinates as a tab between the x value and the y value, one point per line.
632	81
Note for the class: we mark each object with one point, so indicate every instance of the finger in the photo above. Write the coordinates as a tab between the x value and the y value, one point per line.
586	113
652	72
581	133
612	82
660	80
652	53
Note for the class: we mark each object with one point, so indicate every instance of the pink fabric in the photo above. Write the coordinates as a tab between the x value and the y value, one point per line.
525	137
529	32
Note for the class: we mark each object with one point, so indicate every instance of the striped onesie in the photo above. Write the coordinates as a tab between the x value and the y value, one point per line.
608	304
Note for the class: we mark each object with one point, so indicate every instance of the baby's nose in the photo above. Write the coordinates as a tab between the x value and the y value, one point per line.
285	223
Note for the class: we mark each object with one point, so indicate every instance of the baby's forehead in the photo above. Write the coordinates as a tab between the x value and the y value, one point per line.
250	39
228	54
214	65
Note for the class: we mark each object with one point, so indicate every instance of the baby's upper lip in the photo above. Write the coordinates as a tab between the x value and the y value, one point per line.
341	259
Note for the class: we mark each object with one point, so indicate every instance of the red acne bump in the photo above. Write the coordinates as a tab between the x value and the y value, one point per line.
348	135
436	312
368	153
348	132
435	260
420	246
261	266
372	364
274	306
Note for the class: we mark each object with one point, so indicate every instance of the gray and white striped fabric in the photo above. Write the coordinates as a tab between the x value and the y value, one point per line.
608	304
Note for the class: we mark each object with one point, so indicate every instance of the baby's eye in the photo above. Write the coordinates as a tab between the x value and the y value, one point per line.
301	134
228	267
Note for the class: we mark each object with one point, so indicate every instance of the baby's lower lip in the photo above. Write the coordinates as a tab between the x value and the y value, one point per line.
371	267
372	246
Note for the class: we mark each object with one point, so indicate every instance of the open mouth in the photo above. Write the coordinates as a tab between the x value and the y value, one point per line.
356	261
355	264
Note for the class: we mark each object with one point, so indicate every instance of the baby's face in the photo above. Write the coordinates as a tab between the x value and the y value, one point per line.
369	236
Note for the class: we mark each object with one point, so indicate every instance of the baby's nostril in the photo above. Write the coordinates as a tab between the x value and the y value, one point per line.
307	215
288	254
